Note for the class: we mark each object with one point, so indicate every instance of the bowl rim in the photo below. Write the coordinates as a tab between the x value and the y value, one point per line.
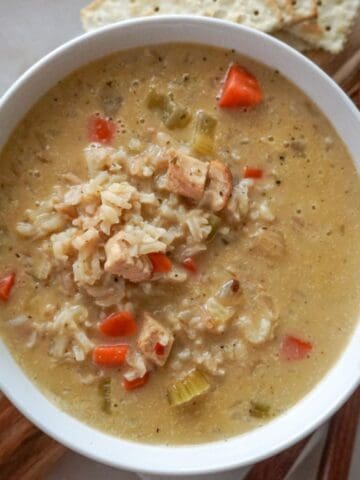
284	430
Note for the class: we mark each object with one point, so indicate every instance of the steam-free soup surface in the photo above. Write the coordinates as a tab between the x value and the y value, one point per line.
238	295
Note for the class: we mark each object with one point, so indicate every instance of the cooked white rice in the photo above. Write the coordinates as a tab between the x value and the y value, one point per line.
124	195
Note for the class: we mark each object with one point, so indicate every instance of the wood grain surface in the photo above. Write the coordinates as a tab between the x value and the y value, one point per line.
277	467
14	430
337	455
25	452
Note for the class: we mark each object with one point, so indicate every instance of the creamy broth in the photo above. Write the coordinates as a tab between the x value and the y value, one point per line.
313	193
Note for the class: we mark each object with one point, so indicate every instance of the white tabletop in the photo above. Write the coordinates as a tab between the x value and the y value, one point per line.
30	29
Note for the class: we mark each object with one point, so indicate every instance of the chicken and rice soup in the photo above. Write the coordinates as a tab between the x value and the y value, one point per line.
179	244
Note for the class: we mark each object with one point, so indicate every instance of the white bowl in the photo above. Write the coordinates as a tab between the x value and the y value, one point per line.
340	381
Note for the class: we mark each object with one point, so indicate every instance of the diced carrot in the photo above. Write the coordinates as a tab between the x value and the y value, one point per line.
160	262
159	349
189	264
241	89
252	172
294	348
6	284
101	129
137	383
110	355
119	324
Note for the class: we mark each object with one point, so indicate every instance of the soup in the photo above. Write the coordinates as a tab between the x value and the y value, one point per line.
179	244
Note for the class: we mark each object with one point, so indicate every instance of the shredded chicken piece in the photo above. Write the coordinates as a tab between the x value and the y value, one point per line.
155	341
219	188
119	262
137	366
186	175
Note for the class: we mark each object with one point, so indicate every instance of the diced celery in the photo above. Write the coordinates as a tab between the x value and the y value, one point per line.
156	100
172	114
110	99
104	389
185	390
259	410
214	222
176	117
205	123
204	134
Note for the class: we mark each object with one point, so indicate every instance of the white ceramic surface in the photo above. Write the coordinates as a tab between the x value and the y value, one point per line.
326	396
